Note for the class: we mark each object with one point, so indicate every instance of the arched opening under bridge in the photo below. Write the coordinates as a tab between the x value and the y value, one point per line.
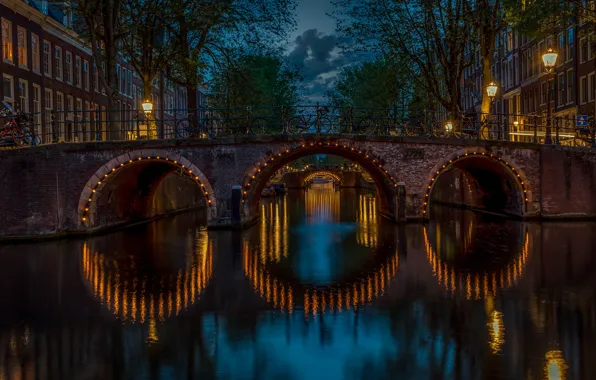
136	187
268	167
478	180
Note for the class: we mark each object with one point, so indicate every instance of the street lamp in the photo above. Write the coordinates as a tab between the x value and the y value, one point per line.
147	107
550	60
491	90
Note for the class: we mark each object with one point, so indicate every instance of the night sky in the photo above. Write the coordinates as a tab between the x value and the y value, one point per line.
313	48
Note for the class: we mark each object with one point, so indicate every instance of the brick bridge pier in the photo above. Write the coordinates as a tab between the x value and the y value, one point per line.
85	187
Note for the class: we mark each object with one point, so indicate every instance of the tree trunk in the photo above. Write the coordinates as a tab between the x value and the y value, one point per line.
486	79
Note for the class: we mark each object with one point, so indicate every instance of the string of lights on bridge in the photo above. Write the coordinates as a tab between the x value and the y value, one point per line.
103	178
448	164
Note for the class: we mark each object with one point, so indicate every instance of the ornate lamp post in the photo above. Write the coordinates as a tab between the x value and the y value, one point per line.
147	108
491	91
550	60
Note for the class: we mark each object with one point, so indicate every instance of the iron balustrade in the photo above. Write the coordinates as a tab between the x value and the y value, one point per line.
53	126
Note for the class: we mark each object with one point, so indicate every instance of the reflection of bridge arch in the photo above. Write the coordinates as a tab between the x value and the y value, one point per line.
476	286
284	295
323	174
134	301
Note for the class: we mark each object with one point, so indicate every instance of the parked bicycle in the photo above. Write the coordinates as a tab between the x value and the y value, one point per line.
18	128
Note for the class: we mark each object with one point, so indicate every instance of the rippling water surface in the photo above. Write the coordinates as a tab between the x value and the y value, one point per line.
320	288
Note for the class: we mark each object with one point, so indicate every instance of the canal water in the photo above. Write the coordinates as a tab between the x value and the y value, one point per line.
320	288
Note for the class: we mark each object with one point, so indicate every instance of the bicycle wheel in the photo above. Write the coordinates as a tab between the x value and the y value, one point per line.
366	127
326	125
297	125
18	137
258	127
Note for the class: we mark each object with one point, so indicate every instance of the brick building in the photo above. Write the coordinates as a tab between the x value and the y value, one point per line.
45	66
523	82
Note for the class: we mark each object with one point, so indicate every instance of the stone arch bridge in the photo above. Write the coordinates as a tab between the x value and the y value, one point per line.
85	187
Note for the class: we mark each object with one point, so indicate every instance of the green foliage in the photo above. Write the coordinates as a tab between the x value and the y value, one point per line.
256	81
377	84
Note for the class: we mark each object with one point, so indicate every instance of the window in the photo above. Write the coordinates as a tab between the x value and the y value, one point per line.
583	50
86	75
77	72
58	62
118	76
8	89
123	81
61	125
70	107
95	77
583	94
79	120
561	46
570	86
68	68
22	47
129	84
6	40
48	106
37	108
103	71
47	61
561	86
23	96
544	93
591	86
570	43
87	118
591	47
35	64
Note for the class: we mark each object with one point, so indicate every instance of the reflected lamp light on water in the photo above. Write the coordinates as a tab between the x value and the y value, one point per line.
555	367
496	331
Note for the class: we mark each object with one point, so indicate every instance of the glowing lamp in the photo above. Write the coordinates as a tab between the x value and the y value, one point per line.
147	107
550	59
491	90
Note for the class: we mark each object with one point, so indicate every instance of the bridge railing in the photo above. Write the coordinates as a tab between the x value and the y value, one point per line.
211	123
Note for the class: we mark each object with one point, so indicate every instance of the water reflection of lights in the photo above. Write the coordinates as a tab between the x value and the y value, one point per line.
274	231
367	219
132	300
322	203
283	295
496	331
555	367
477	285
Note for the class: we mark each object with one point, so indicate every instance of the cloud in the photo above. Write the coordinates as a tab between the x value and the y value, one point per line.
318	58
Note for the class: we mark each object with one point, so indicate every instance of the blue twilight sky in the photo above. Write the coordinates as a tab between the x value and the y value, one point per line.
313	48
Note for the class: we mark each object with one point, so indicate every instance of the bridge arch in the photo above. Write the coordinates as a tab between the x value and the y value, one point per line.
500	185
135	176
259	173
322	174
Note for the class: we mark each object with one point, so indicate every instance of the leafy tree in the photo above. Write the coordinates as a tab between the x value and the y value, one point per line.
256	81
430	34
377	84
209	33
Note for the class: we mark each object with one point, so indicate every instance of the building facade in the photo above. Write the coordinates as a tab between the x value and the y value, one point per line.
523	82
48	70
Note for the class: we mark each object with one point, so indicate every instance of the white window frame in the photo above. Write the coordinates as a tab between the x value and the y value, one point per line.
68	68
78	72
591	86
569	88
49	56
85	76
22	50
23	100
48	106
561	99
583	96
58	69
37	107
35	56
9	99
7	41
60	114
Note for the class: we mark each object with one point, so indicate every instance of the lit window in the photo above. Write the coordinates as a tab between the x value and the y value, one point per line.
22	46
6	40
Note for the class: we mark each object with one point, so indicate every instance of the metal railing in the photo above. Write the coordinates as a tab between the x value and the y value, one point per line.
54	126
